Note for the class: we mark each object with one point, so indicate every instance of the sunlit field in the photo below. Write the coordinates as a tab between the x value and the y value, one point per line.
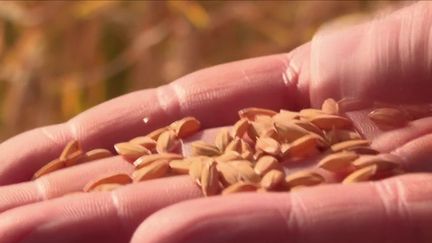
60	58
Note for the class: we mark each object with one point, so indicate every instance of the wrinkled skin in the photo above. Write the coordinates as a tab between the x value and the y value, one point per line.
388	59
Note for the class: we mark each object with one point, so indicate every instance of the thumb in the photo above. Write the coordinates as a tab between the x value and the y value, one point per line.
386	59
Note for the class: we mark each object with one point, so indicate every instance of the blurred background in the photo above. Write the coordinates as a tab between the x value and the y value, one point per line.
60	58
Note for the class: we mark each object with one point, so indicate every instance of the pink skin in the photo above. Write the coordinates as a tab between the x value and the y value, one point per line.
387	59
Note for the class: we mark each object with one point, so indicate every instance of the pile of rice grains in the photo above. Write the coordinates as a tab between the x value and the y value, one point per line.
256	153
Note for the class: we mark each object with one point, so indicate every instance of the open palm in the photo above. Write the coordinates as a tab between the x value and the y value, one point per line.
387	60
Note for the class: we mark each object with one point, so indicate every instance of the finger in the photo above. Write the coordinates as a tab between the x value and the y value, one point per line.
385	59
396	138
411	142
93	217
74	179
60	182
396	210
213	95
416	153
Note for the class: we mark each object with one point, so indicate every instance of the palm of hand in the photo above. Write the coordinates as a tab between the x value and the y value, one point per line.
367	212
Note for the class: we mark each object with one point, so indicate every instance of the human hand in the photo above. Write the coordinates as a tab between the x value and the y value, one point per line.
374	61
